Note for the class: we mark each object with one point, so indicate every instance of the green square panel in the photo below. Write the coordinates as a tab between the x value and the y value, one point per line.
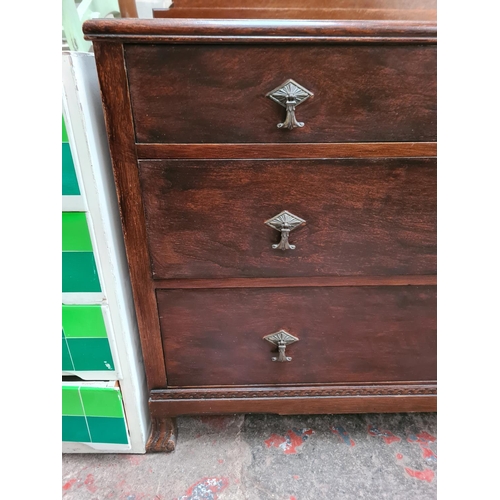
75	429
69	180
71	401
64	131
91	354
67	364
79	272
108	430
83	321
75	232
102	402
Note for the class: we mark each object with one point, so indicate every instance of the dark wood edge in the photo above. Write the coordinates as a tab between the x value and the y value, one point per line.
163	435
295	150
415	280
118	117
258	30
295	406
214	40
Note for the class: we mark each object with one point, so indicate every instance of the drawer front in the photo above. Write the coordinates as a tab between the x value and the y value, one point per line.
218	93
206	219
345	335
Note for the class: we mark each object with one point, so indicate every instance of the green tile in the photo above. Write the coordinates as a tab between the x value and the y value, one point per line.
67	364
71	402
101	402
75	429
79	272
108	430
91	354
75	232
69	180
64	131
83	321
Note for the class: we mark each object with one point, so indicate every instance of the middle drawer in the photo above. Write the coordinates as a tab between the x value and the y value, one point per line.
207	219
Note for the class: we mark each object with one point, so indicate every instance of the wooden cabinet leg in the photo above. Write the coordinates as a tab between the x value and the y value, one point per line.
163	435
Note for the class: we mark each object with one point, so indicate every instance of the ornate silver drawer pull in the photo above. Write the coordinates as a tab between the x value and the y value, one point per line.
289	95
281	339
285	222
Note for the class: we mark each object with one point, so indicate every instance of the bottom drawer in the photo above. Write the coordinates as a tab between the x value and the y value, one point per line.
345	335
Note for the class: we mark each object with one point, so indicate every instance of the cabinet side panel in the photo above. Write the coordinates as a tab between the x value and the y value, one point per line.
117	112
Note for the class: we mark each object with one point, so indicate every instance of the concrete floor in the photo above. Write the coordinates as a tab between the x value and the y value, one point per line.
261	457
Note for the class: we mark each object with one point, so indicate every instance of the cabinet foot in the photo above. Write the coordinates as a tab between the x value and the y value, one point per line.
163	435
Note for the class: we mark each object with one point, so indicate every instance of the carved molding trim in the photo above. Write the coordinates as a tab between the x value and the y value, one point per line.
344	391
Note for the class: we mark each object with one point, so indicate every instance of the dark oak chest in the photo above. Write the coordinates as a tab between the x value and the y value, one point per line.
277	188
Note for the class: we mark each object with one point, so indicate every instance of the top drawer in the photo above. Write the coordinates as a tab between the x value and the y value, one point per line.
218	93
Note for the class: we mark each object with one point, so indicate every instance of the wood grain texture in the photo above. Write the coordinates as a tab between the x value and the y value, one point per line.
128	8
205	219
311	4
346	335
295	406
163	436
276	31
361	93
118	117
298	13
306	281
290	150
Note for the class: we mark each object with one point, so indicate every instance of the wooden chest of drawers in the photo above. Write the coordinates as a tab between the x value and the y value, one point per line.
277	187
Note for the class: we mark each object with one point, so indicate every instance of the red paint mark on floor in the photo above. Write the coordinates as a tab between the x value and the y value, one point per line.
343	435
428	453
89	483
293	498
206	489
221	461
423	475
387	436
69	484
296	477
399	456
291	441
423	439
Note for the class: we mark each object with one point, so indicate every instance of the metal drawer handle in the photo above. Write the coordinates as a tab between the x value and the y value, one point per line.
281	339
284	222
289	95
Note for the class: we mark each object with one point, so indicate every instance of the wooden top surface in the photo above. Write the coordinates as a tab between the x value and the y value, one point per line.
403	10
305	4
